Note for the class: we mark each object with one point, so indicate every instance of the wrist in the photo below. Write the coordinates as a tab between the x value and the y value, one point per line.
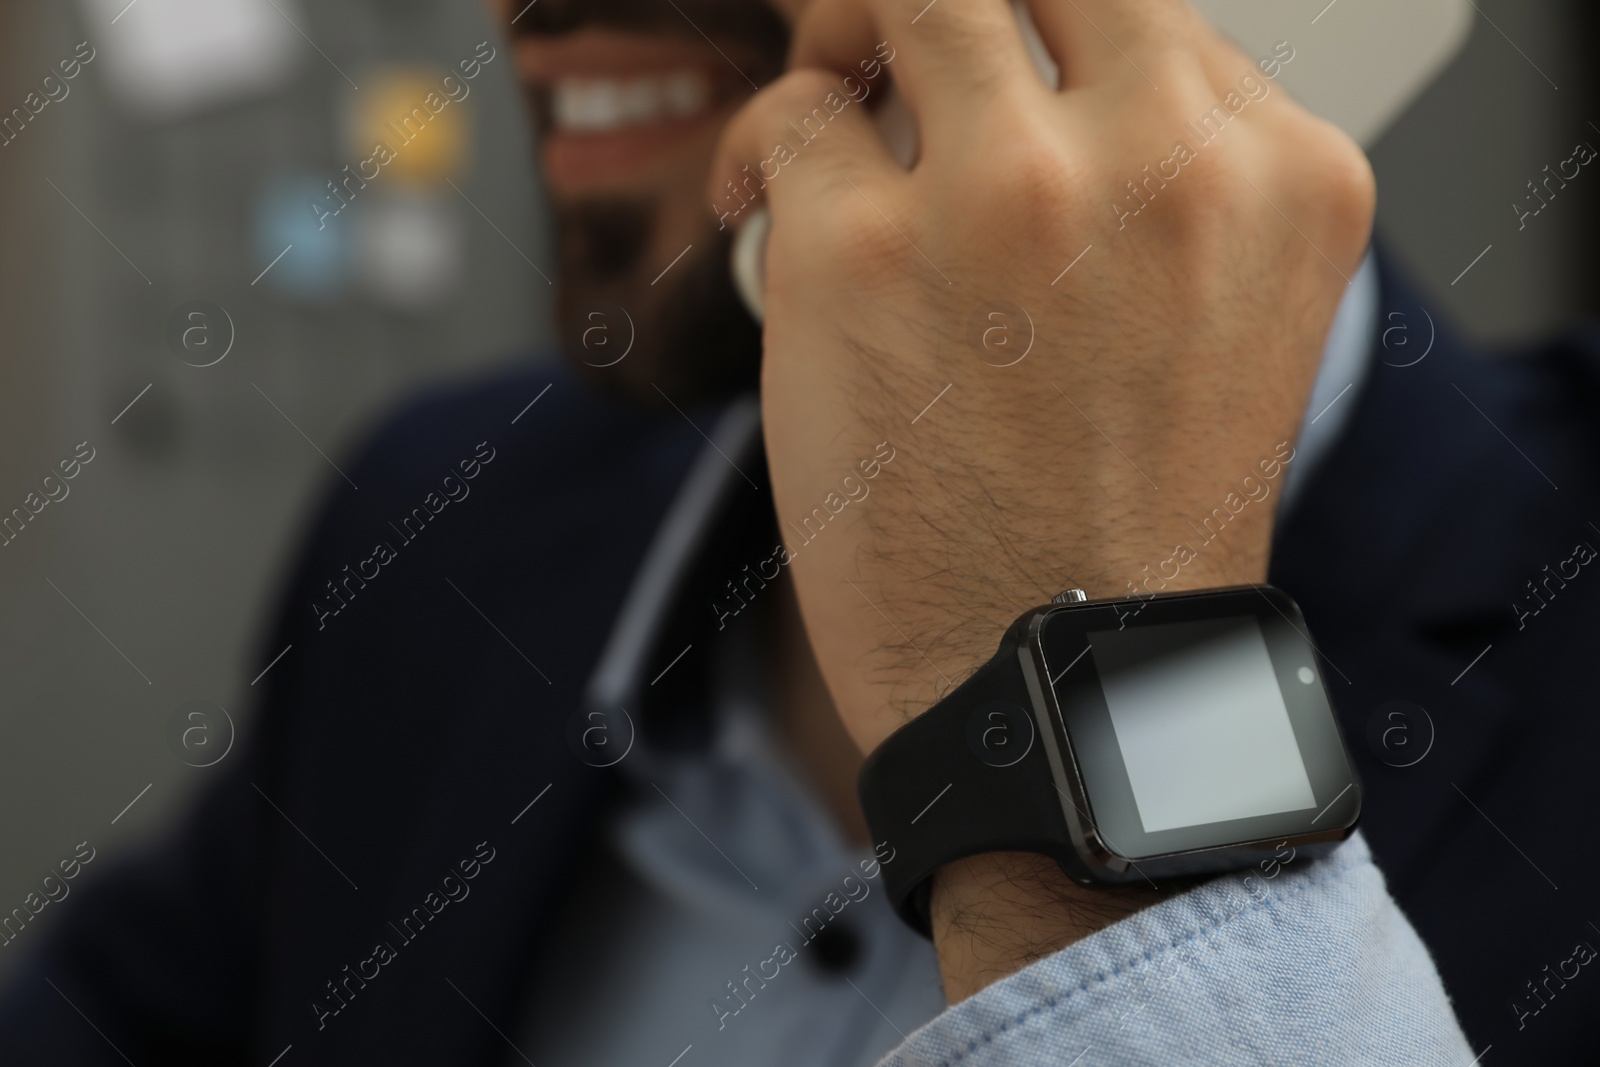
994	914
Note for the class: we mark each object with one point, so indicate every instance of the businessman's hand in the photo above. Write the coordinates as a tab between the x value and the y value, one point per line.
1050	426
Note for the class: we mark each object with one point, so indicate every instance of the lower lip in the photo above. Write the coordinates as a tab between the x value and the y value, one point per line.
574	162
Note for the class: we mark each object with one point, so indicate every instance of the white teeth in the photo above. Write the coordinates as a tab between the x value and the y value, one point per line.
596	105
687	92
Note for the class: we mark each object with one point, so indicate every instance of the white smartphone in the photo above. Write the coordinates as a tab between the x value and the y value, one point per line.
1356	63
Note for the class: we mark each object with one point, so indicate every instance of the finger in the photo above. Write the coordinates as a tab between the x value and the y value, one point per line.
1231	71
798	140
1260	108
947	57
1095	41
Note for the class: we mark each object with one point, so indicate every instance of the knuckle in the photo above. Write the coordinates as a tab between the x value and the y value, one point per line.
1352	189
1189	100
1036	173
1338	179
1023	158
851	230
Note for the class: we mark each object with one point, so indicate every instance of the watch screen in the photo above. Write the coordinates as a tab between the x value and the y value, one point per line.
1200	721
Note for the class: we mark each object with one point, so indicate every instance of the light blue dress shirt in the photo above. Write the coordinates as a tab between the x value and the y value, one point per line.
1313	965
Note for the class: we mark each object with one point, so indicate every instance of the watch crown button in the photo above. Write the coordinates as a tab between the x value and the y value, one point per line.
1070	596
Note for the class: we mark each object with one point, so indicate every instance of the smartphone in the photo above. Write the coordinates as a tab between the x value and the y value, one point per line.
1356	63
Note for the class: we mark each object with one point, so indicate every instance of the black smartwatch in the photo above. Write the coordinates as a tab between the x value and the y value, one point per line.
1130	740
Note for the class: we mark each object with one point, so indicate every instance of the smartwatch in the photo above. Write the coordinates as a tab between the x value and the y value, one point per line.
1129	739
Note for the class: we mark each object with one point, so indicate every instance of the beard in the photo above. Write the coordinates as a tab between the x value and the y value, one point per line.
687	336
690	341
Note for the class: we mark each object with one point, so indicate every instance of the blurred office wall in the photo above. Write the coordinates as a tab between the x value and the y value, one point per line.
173	176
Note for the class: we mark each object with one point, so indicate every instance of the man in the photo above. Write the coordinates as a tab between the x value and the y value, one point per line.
445	844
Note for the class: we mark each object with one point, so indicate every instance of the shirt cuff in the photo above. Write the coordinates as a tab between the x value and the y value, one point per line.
1296	961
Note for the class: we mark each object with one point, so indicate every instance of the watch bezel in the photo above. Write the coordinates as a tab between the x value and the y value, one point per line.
1095	858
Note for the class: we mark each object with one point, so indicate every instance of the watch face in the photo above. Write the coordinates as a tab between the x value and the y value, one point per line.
1196	721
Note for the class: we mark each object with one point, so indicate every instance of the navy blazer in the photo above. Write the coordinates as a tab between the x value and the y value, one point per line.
364	880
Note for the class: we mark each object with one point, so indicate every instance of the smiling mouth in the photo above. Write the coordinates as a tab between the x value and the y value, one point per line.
615	108
611	134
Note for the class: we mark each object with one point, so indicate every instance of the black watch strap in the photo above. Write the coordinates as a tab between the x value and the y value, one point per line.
970	775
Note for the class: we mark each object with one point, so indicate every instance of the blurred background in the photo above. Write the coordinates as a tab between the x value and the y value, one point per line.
170	304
